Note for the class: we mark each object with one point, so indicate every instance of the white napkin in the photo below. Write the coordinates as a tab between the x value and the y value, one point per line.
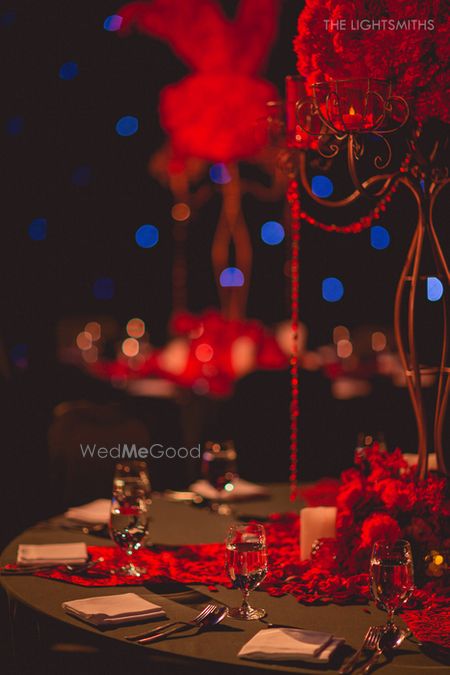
52	554
95	512
111	610
290	644
242	490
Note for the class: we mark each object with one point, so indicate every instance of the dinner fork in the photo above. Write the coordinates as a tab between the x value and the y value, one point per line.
196	621
370	643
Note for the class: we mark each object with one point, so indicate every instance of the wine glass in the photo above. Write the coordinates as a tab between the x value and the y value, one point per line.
219	465
129	515
246	564
391	576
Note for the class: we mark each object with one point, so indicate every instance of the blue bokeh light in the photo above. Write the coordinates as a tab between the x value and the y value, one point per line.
113	22
231	277
7	18
435	289
272	233
219	174
103	288
379	237
19	355
37	229
127	125
68	70
82	176
147	236
322	186
332	289
14	126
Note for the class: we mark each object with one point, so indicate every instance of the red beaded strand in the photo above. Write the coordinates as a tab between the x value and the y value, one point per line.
353	228
294	204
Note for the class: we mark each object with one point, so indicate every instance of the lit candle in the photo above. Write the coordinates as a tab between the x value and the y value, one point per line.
316	522
353	120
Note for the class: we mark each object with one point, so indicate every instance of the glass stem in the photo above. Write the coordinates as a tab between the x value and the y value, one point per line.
245	595
390	618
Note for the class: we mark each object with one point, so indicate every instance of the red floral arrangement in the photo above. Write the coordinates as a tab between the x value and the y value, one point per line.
381	498
414	56
212	113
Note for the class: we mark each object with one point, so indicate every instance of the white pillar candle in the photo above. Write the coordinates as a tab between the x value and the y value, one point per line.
315	522
413	460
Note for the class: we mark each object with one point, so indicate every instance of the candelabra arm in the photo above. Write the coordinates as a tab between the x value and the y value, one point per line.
444	375
410	362
386	179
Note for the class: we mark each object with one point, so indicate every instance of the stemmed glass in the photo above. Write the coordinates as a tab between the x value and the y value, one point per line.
129	516
219	465
392	576
246	564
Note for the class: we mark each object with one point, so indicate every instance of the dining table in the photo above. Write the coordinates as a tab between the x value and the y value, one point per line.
216	650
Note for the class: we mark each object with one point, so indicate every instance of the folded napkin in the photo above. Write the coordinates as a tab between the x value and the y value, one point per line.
95	512
111	610
52	554
242	490
290	644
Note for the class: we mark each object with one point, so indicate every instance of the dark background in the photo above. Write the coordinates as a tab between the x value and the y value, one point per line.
71	124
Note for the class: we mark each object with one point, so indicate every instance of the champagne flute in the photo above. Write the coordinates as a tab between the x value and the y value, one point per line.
392	576
129	515
246	564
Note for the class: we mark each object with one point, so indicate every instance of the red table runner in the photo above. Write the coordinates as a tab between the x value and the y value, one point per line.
429	617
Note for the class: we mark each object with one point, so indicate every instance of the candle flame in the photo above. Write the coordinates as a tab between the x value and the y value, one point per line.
351	111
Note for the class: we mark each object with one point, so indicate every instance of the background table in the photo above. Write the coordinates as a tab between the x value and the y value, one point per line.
212	651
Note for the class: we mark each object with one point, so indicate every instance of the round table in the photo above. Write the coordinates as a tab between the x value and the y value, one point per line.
215	650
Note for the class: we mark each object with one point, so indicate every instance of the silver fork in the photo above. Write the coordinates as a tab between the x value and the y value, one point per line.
370	643
206	611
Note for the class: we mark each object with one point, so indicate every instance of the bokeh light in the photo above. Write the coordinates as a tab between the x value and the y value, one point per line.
180	211
84	340
272	233
344	349
68	70
379	237
90	355
19	355
322	186
219	174
435	289
7	18
113	22
379	341
332	289
231	277
135	328
147	236
127	125
82	176
204	352
103	288
14	125
130	347
200	386
95	330
37	229
340	333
